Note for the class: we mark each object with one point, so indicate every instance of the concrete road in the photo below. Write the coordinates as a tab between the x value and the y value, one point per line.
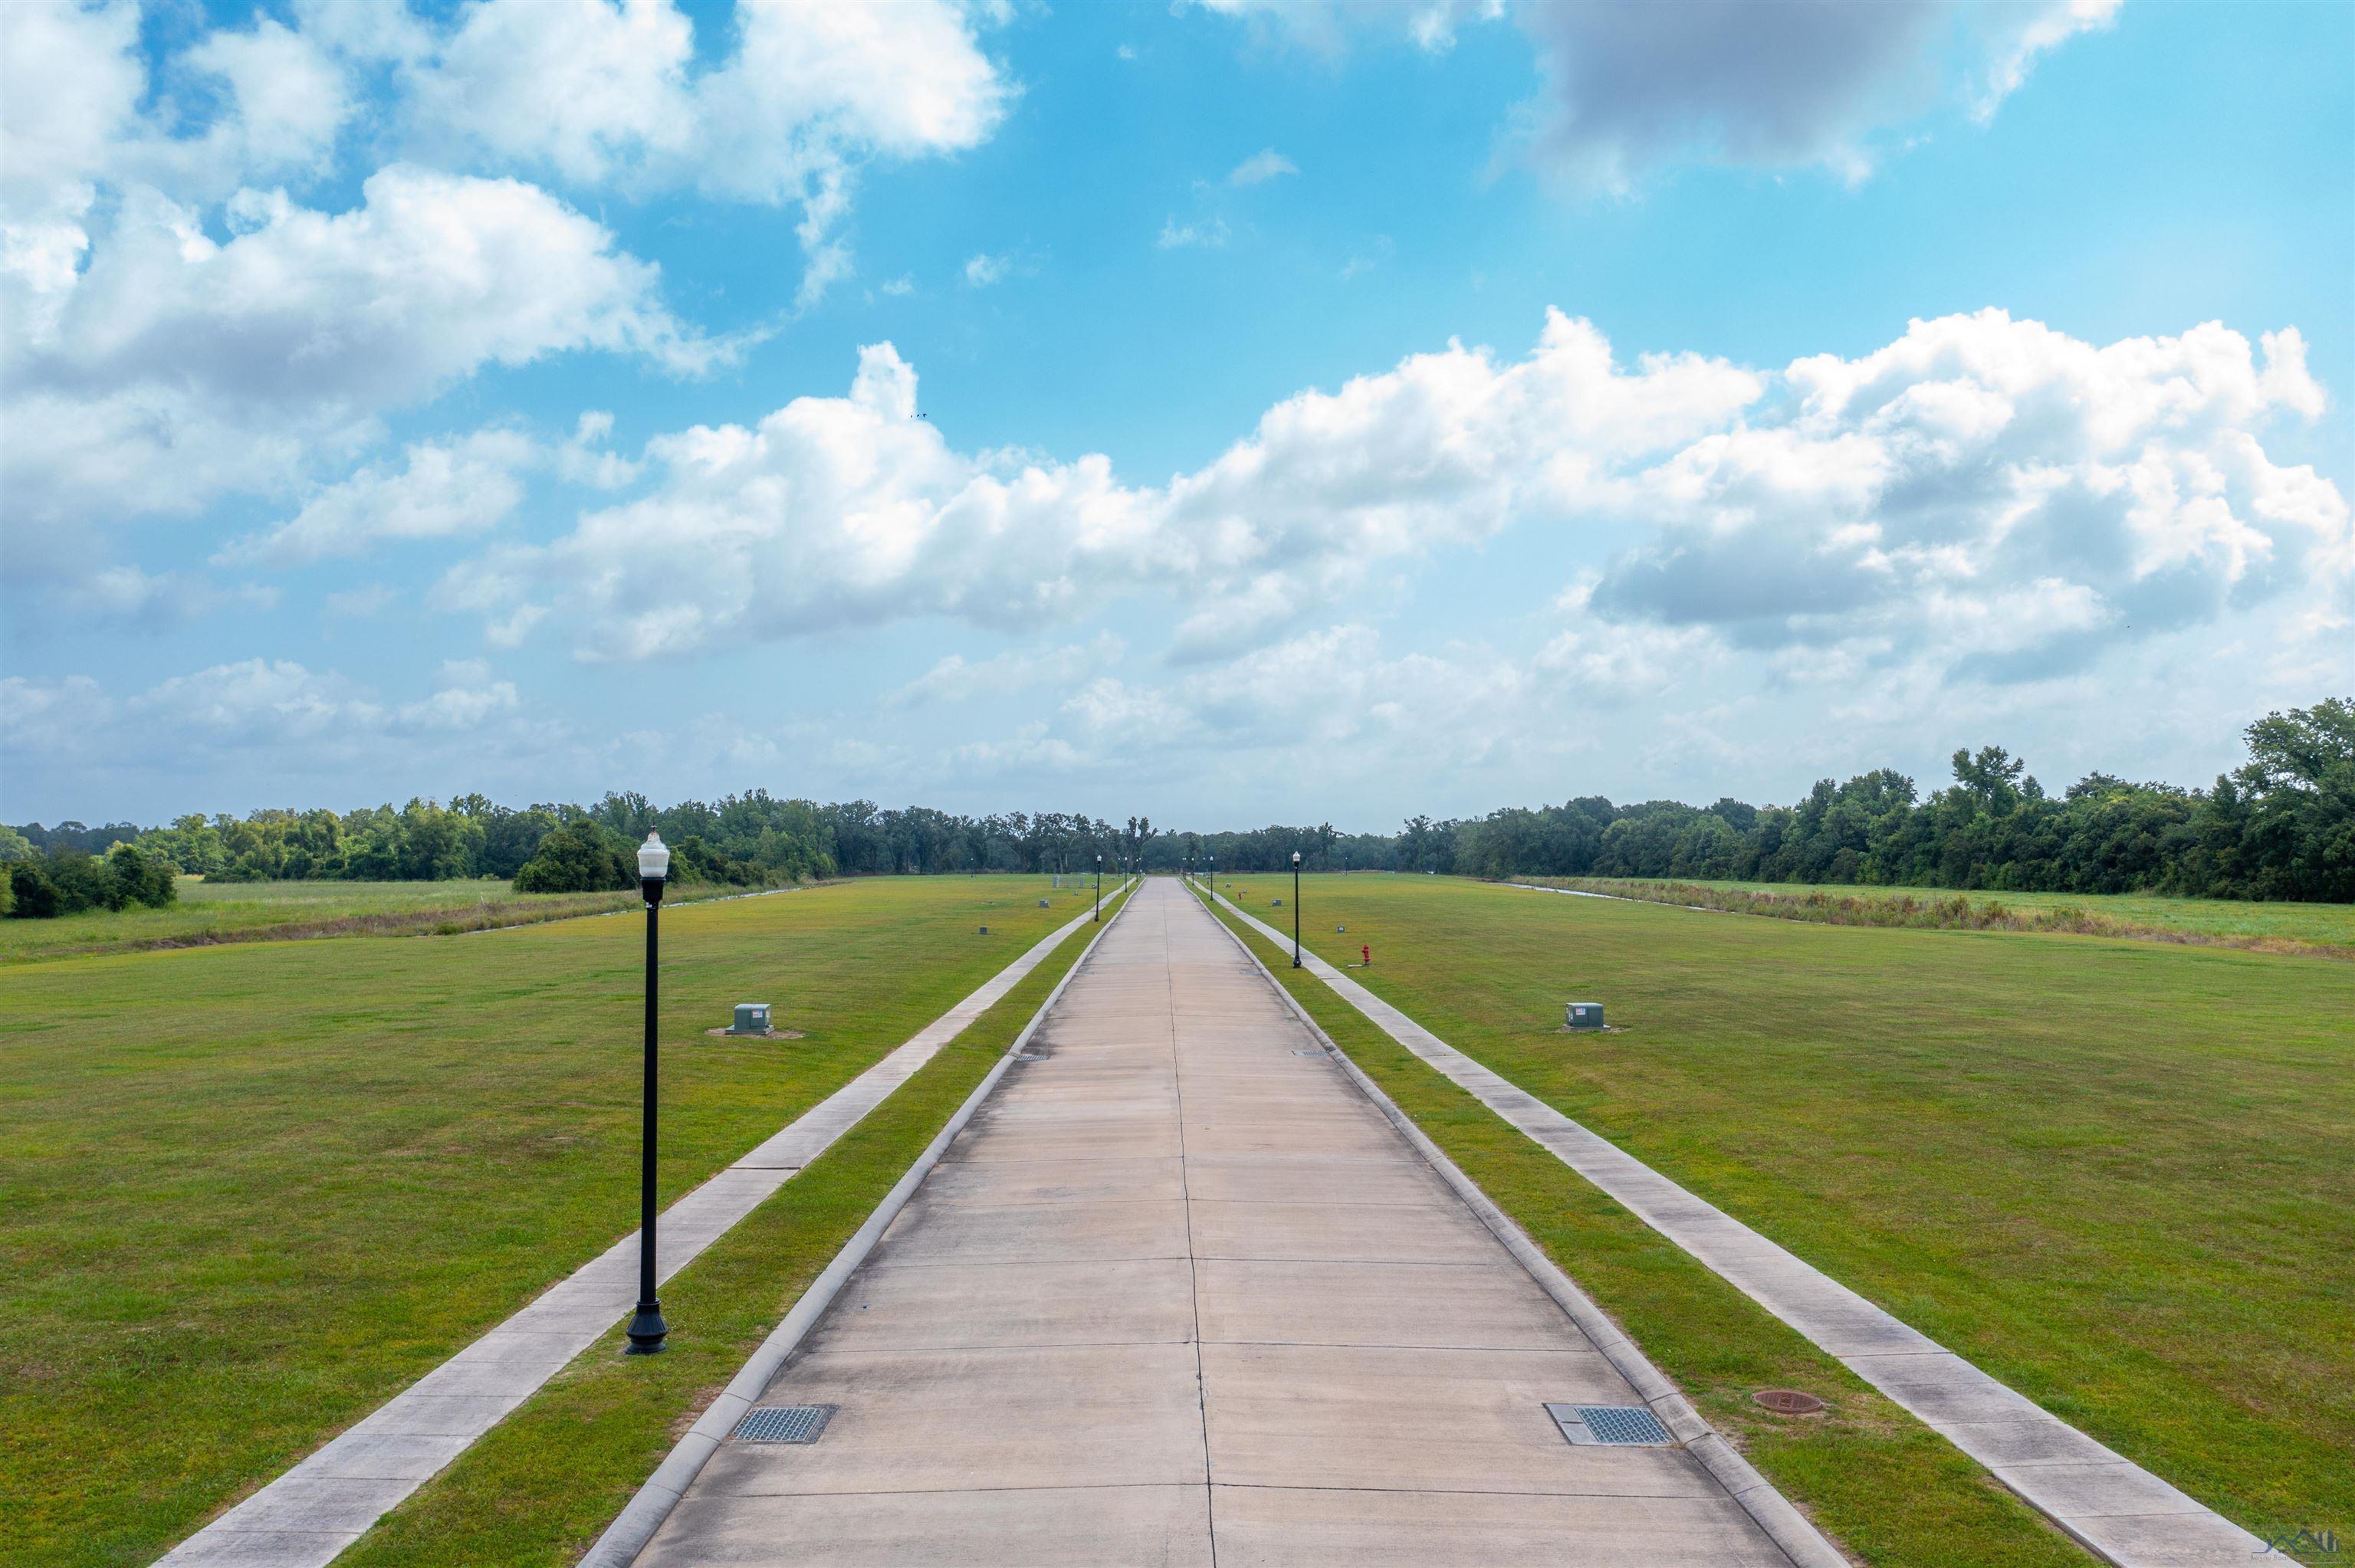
1180	1294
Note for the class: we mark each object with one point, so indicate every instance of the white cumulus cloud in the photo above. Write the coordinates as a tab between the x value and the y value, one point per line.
612	92
1631	88
955	678
1261	167
182	319
177	368
1977	471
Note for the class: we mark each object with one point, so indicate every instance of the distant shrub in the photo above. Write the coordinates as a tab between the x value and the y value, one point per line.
579	857
142	876
68	882
33	897
692	859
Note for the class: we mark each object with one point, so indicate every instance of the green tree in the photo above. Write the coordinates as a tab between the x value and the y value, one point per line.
141	876
32	895
581	856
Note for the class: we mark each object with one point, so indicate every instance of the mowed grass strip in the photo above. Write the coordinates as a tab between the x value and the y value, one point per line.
210	912
2117	1175
541	1486
252	1192
2324	930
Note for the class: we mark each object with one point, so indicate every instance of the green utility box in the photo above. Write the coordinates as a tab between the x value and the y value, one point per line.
752	1018
1584	1015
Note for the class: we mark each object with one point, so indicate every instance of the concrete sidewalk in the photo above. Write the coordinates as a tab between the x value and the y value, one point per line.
1179	1284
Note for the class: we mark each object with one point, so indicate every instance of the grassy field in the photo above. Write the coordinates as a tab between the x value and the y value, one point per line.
251	1190
2327	928
211	913
2118	1175
539	1487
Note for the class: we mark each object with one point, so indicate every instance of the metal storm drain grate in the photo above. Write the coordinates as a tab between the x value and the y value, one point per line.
1315	1052
1612	1426
782	1423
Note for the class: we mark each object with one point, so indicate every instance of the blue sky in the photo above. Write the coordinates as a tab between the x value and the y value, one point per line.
1226	413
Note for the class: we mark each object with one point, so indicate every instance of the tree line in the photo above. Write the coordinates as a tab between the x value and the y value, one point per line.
2280	826
748	840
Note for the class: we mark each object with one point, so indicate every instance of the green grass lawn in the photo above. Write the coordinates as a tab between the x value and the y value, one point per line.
2118	1175
249	1191
2326	925
211	912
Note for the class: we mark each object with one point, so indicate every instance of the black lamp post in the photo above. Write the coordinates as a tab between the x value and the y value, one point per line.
1295	909
1214	879
1099	887
647	1330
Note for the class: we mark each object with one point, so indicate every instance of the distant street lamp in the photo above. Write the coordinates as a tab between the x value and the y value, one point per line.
647	1330
1295	909
1099	887
1214	880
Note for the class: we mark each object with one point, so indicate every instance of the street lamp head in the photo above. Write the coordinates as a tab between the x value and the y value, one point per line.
654	859
1296	860
654	866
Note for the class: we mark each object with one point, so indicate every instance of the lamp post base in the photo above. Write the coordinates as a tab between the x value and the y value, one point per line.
647	1331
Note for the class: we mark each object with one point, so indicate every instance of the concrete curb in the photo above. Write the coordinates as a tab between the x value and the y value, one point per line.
644	1514
1784	1524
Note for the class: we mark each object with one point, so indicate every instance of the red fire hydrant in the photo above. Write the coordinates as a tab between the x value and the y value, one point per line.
1366	951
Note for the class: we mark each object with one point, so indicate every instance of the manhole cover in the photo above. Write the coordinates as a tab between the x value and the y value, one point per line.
1611	1426
782	1423
1787	1401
